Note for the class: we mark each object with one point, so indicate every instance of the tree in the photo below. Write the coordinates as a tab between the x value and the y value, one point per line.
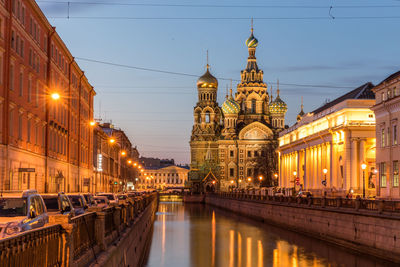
266	165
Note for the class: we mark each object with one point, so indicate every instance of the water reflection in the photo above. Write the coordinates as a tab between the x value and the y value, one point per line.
198	235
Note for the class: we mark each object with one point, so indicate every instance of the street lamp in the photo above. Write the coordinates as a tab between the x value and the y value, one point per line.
112	140
249	179
92	123
123	153
325	171
363	167
55	96
129	161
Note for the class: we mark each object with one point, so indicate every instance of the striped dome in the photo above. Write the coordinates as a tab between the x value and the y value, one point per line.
230	106
278	106
252	41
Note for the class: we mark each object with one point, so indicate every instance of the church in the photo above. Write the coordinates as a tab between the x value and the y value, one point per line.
234	145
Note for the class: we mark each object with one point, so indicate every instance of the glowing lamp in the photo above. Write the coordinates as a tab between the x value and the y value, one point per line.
55	96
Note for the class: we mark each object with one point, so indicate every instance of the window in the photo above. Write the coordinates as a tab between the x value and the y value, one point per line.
382	137
388	137
231	172
29	90
12	78
231	153
255	153
20	127
383	96
207	117
11	125
394	136
249	172
249	154
253	106
382	173
28	131
395	173
37	95
21	84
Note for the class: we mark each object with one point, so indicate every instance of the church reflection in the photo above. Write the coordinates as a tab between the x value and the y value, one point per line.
198	235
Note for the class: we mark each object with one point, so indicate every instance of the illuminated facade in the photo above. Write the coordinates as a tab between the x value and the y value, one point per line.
236	141
387	114
114	163
46	105
167	177
338	137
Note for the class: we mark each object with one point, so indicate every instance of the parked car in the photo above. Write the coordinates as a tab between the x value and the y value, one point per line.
111	197
89	199
58	204
21	212
79	203
102	202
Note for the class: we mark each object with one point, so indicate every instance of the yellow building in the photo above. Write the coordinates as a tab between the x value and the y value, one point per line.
326	149
167	177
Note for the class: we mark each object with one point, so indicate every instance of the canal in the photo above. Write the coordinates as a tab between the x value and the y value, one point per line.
199	235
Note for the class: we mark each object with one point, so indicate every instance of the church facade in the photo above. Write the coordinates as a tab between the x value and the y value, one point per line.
234	145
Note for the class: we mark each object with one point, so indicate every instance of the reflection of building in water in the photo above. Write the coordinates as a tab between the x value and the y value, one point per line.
325	149
236	141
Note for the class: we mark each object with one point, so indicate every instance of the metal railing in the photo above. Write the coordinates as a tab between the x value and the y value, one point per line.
39	247
67	243
358	204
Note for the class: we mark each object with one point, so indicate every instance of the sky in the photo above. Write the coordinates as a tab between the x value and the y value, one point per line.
315	51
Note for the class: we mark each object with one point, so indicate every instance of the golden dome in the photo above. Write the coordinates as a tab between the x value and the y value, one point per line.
207	80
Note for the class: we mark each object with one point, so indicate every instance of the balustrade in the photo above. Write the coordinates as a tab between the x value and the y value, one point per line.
64	244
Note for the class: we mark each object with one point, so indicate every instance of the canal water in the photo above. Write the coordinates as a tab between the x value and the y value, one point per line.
200	236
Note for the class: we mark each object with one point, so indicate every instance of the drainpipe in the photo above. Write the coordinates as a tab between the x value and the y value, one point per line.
79	130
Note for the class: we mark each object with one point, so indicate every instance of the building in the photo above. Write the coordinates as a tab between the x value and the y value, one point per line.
235	142
162	178
324	151
387	114
115	160
46	106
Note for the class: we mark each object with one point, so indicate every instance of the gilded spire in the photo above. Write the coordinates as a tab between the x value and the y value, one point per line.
208	66
277	90
271	96
252	29
226	96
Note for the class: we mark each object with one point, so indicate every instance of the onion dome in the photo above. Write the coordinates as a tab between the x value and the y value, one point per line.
252	41
278	106
230	106
207	80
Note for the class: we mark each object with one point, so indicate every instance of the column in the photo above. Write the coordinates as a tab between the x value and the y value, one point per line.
360	181
354	165
305	169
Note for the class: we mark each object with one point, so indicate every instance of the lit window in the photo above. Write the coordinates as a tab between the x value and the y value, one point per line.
394	134
395	173
382	137
231	172
383	174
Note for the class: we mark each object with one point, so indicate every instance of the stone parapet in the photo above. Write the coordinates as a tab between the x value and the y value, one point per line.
367	226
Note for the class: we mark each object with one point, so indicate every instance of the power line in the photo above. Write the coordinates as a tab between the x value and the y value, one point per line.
195	75
220	6
230	18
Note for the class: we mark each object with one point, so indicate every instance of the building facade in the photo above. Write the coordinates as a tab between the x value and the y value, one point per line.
387	112
236	141
324	151
162	178
46	142
115	160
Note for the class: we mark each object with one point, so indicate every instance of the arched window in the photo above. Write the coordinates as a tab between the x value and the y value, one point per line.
253	106
207	116
198	117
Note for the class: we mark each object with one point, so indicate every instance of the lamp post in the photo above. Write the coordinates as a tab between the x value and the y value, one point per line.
260	178
325	171
363	167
